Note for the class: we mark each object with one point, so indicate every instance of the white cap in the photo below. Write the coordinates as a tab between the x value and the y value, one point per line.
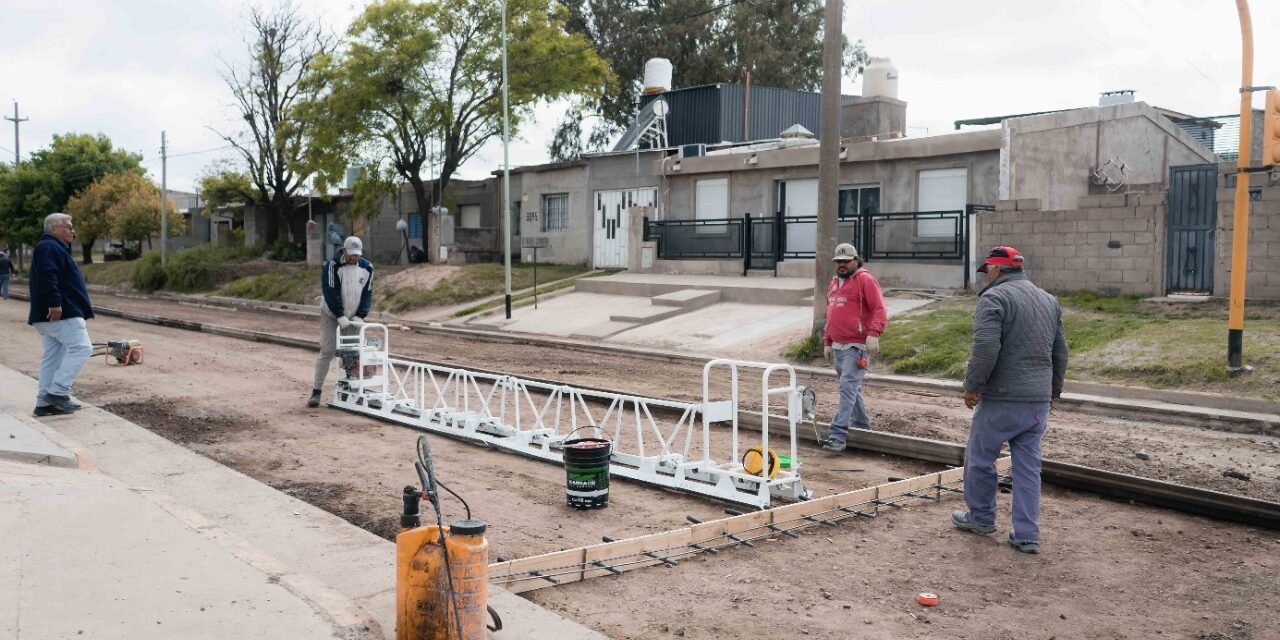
352	246
845	251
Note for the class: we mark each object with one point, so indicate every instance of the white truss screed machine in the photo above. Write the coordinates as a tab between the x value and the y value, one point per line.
660	442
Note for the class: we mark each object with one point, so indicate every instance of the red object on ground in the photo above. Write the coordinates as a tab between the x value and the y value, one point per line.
927	599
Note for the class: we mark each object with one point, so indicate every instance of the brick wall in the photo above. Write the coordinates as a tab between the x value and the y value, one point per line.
1111	243
1262	280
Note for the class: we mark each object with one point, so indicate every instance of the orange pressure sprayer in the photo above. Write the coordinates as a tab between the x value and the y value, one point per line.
442	573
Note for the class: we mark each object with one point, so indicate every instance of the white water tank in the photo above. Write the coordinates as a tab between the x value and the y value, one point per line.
880	79
657	75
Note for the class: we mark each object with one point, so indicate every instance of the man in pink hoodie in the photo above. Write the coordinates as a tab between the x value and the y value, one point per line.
855	319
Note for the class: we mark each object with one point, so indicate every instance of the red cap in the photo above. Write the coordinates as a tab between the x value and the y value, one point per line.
1002	257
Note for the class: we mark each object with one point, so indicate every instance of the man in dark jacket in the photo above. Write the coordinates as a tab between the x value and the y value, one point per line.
59	308
6	270
346	281
1016	368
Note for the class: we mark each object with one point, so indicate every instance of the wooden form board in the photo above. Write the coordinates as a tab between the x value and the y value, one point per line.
572	565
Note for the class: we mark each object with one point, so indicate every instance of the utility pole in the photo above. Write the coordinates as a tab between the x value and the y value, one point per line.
164	202
828	161
506	169
16	121
1240	233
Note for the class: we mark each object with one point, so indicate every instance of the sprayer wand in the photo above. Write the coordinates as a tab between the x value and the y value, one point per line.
427	475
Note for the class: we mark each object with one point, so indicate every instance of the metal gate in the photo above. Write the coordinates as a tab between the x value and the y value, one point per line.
761	244
1192	218
612	220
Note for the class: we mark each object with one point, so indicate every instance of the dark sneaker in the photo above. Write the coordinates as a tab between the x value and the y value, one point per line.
1025	547
314	400
63	403
962	521
834	446
51	410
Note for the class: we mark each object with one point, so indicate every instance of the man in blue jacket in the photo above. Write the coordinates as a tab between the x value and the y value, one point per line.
347	283
59	308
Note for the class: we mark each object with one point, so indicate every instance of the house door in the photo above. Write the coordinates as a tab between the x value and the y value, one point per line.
612	220
1192	218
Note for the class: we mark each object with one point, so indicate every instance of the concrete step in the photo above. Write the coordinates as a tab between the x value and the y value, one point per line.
646	315
603	330
687	299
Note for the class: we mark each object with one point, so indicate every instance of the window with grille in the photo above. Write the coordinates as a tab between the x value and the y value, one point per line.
555	212
415	225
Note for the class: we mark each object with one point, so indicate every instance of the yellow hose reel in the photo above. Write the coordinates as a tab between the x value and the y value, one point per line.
752	462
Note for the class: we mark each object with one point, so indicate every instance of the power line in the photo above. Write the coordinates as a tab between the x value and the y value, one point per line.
1175	49
188	153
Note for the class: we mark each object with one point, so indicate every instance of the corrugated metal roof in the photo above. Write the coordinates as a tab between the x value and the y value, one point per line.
714	113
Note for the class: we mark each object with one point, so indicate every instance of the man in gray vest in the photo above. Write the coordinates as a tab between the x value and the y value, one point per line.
1016	368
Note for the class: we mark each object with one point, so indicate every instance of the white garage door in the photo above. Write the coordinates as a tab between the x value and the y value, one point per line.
941	190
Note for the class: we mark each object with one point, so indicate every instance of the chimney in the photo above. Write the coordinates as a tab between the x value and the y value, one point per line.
1119	96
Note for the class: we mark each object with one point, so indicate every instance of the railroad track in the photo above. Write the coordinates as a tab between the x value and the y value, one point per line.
1187	499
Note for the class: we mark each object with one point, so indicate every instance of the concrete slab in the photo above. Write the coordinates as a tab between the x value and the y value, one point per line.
576	314
321	553
86	556
20	440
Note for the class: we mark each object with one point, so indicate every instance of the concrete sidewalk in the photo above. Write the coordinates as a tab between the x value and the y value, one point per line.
146	539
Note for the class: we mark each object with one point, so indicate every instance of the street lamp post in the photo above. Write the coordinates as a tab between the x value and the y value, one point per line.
506	170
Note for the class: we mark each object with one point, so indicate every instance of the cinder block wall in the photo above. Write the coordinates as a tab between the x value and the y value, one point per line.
1111	244
1262	280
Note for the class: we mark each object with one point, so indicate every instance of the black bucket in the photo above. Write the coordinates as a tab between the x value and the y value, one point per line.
586	466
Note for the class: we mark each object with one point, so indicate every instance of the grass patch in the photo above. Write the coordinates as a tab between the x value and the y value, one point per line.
805	349
1112	339
109	274
516	300
935	343
297	286
473	282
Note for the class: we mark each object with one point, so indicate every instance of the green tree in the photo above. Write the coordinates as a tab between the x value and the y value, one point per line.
135	212
223	185
707	42
44	184
416	87
27	195
283	45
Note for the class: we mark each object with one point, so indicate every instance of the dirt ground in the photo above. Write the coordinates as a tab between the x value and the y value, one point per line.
421	277
1109	570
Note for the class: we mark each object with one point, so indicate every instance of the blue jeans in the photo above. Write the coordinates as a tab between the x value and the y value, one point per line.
4	287
66	349
1022	425
852	410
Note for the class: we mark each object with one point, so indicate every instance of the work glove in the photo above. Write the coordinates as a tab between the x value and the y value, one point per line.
357	321
873	345
826	352
343	322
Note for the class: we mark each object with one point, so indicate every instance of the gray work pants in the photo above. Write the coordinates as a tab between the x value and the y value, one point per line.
852	410
1022	425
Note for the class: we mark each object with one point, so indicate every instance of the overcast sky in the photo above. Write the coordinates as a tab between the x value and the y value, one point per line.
131	68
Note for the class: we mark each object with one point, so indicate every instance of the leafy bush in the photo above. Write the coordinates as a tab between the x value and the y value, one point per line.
283	251
148	276
196	269
805	349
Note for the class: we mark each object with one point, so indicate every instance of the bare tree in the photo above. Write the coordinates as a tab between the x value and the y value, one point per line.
282	45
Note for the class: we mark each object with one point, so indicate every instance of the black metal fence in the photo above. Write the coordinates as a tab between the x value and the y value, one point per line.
763	241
